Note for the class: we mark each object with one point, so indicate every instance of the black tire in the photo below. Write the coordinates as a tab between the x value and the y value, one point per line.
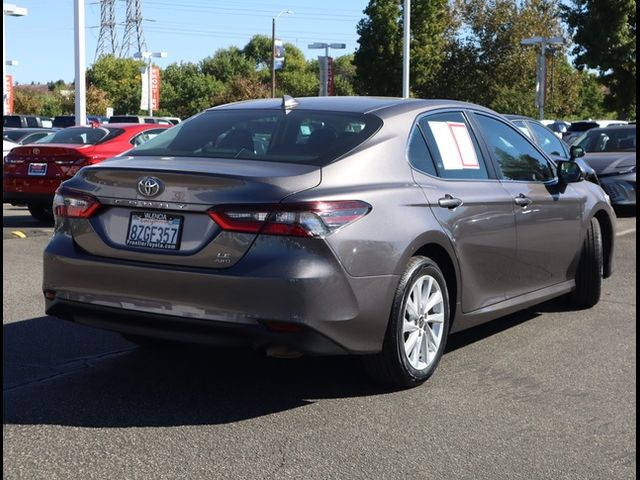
391	365
590	268
41	212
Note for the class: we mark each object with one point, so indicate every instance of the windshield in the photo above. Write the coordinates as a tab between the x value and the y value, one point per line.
609	140
81	135
310	137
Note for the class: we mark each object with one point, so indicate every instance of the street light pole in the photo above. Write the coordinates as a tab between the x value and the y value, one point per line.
324	67
80	81
406	48
148	56
13	11
541	67
273	50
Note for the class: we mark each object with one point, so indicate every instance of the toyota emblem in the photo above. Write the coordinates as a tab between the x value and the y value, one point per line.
149	186
36	151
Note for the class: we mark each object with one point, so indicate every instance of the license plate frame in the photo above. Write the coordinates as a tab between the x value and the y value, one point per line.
37	169
150	239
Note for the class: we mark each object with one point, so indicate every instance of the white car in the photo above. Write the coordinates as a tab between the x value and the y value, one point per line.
6	148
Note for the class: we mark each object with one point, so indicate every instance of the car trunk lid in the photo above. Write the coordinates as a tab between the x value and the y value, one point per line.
189	188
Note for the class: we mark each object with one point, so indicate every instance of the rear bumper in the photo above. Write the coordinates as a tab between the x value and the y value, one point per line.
280	279
26	190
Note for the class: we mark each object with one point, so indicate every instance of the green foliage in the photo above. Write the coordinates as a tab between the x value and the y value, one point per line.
227	63
186	90
242	88
378	59
258	50
27	102
604	33
120	79
379	56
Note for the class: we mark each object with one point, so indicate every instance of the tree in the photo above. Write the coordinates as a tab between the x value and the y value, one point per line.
486	63
120	79
227	63
258	50
379	57
243	88
604	33
186	90
27	102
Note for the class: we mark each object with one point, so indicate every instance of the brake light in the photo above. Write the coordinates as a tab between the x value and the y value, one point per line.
308	219
69	203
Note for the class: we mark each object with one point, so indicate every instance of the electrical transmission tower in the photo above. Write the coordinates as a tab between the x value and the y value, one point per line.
107	44
133	34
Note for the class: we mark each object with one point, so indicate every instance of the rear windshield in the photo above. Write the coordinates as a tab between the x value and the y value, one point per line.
609	140
12	121
308	137
64	122
82	135
582	126
13	135
124	119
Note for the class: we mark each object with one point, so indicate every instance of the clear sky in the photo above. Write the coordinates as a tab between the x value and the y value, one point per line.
188	30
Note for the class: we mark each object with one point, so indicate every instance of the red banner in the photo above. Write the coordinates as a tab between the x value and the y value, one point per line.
8	90
155	87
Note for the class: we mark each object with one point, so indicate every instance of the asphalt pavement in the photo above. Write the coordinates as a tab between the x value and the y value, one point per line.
548	393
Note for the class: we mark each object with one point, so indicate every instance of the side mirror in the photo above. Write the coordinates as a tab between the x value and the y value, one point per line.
576	151
570	171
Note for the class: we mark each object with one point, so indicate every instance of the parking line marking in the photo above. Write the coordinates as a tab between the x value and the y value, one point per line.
625	232
19	234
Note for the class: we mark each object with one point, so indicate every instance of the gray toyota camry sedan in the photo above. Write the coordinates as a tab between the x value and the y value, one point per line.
335	225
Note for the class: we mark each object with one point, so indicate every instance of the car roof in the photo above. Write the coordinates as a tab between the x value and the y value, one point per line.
379	105
512	116
613	127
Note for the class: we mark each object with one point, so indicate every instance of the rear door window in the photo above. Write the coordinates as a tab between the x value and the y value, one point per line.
453	146
551	144
516	157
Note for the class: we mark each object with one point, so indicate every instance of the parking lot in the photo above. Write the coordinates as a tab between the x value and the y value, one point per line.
548	393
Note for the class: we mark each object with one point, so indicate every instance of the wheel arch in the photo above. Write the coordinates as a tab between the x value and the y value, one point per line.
446	261
608	236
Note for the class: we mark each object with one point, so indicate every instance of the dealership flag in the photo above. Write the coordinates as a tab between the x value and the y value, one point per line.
8	88
155	89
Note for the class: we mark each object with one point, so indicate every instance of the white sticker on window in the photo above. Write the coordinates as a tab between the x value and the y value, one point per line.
455	145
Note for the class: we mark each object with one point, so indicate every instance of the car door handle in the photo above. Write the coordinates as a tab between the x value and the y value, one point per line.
449	202
522	200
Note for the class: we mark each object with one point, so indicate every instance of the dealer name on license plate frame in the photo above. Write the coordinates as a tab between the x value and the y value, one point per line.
154	230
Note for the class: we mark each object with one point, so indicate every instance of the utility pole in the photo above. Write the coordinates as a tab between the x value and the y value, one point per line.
80	54
273	50
541	67
406	48
107	43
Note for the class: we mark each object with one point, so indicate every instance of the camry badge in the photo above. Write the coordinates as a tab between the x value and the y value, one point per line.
149	186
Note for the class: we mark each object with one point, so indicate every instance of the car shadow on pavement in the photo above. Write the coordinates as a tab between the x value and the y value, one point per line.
20	220
61	373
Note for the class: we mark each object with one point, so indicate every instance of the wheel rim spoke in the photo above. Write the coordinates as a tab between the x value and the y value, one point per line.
422	322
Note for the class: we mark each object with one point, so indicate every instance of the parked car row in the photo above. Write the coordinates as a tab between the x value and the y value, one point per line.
31	173
64	121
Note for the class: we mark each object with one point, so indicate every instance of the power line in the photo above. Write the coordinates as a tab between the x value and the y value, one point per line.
107	43
133	34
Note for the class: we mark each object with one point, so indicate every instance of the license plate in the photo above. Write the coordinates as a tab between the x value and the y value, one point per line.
155	230
38	169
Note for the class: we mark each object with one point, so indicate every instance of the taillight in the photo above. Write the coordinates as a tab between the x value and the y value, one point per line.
308	219
72	204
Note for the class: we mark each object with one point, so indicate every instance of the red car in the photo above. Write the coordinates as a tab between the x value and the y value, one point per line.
32	173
